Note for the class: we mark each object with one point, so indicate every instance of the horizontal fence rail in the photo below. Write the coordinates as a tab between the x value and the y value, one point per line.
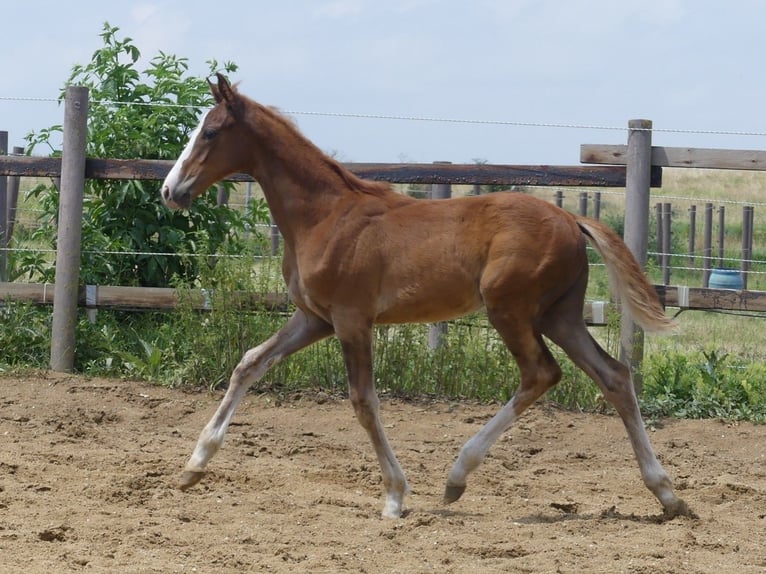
596	313
678	157
140	298
440	173
707	299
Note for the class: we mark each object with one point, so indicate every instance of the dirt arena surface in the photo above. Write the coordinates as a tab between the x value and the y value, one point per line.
88	470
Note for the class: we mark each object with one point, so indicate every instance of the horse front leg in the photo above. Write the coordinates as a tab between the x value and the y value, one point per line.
300	331
357	351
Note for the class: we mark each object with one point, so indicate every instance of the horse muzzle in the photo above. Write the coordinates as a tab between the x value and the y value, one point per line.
178	197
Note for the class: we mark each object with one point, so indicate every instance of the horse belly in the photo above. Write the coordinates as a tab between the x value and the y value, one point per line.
429	305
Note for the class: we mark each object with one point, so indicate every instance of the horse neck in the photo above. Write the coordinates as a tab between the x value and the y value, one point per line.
295	208
300	183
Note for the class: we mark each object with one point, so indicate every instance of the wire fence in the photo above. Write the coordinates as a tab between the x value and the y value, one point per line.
419	118
757	265
30	216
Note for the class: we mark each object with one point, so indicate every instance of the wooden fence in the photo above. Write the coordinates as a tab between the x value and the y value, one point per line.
636	166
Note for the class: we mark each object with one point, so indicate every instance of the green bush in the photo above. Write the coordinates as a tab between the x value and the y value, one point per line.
137	114
24	336
704	385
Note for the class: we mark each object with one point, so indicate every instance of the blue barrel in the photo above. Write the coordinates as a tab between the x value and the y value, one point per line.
725	279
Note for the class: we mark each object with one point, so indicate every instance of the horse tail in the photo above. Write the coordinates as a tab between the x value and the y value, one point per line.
626	278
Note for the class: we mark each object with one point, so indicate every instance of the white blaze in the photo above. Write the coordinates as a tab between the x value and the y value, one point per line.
171	180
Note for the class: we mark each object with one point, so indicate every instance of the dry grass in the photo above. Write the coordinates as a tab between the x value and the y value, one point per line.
714	184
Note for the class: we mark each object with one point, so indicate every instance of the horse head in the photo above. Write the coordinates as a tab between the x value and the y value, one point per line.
214	150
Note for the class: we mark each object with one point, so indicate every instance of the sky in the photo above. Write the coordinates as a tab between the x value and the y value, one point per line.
530	80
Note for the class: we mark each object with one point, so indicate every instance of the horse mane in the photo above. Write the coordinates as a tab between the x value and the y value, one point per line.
313	162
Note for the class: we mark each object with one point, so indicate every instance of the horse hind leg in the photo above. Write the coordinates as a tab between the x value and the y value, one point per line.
539	372
300	331
568	331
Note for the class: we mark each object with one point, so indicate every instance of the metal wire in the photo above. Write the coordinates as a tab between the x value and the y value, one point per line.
417	118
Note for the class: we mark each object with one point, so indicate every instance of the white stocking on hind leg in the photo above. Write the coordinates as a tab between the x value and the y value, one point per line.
614	380
300	331
539	372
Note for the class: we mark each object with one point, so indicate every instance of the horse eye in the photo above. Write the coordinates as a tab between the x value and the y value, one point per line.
209	134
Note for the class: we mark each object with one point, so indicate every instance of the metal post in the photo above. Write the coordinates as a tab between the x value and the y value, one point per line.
248	199
583	208
660	241
692	233
13	198
222	195
638	182
747	242
721	235
274	235
666	227
441	190
707	248
437	332
597	205
69	229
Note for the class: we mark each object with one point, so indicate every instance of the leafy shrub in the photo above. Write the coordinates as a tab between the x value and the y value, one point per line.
704	385
24	336
146	115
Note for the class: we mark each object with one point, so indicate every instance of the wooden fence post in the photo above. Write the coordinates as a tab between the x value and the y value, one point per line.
69	229
437	332
638	182
3	212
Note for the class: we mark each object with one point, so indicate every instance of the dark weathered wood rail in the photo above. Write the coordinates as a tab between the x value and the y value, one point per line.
458	174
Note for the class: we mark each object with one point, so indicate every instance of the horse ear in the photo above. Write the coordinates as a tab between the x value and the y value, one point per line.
228	95
215	91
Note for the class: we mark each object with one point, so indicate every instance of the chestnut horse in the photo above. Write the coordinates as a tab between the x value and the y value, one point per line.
357	253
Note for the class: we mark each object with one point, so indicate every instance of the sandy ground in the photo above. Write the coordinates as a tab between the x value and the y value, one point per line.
88	470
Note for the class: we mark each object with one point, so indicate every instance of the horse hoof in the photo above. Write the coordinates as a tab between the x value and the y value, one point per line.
189	478
391	513
452	493
678	508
